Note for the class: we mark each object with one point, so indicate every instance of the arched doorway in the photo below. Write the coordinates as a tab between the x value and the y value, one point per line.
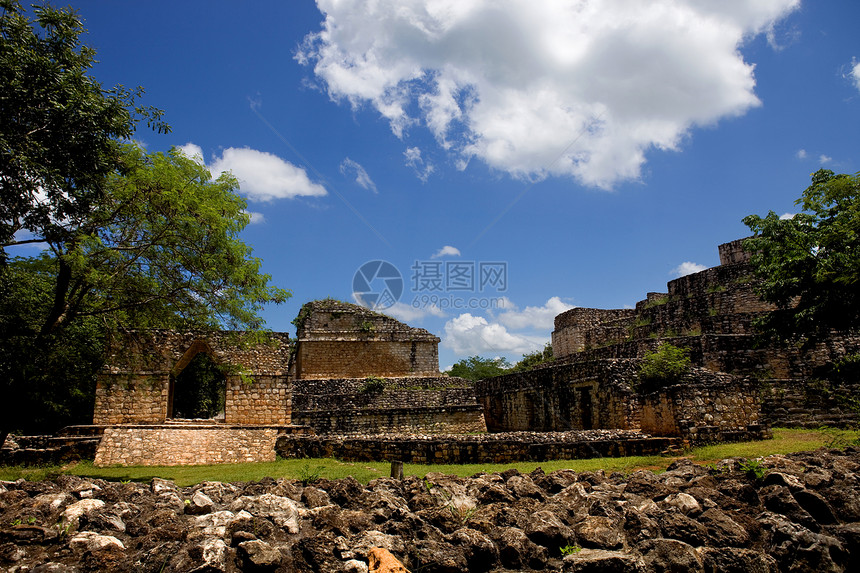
198	387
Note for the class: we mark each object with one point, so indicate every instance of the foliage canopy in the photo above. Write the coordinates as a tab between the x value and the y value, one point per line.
129	239
809	265
61	133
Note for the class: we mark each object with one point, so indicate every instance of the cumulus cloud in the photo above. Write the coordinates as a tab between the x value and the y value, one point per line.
352	168
581	89
192	151
409	314
264	176
687	268
785	216
855	74
824	159
470	335
801	154
534	317
256	217
422	169
446	251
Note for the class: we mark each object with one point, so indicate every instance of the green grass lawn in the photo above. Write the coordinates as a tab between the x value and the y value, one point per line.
784	441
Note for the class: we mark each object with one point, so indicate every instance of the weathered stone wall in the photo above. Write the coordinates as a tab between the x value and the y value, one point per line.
143	352
125	399
679	409
175	445
437	404
810	403
597	394
733	252
135	385
318	359
569	396
424	420
263	400
581	328
404	392
498	449
343	340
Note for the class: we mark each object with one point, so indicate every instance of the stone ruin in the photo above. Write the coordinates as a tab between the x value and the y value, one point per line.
350	371
353	379
736	389
360	372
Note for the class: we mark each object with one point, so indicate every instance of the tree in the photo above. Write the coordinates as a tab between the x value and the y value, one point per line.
161	248
534	359
46	381
477	368
132	239
60	131
808	266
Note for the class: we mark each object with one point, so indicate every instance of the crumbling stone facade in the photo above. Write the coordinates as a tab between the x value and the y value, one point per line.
351	371
432	405
342	340
361	372
736	389
170	446
138	382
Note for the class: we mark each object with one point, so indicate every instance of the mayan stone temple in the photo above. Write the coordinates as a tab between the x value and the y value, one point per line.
356	384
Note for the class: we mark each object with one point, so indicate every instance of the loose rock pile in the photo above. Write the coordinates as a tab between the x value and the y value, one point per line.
784	513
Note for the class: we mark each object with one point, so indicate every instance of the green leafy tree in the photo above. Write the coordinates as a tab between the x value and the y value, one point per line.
46	380
60	131
808	266
534	359
161	248
132	239
477	368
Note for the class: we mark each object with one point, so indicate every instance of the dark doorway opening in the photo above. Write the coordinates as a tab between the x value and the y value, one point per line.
585	408
199	391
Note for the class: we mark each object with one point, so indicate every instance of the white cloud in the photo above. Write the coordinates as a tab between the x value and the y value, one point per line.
582	89
534	317
446	251
264	176
409	314
801	154
422	169
504	303
256	217
824	159
348	166
192	151
687	268
470	335
785	216
855	74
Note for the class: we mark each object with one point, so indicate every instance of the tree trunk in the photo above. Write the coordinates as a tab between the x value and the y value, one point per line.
57	314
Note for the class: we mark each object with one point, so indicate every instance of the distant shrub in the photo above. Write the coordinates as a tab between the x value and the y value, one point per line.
373	385
665	366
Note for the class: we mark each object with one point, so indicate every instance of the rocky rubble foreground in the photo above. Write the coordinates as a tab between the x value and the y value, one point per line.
784	513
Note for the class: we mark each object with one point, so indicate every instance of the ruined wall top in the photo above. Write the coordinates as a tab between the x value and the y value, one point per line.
162	351
336	320
733	252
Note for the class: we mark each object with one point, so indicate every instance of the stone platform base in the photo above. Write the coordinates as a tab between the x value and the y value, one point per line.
499	448
189	444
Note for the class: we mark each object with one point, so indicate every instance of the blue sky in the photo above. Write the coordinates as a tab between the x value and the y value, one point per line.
596	148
